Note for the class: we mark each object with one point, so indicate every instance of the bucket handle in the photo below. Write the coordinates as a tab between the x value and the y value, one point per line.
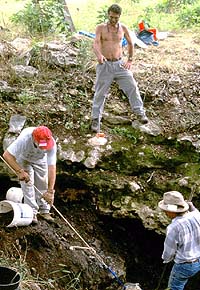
12	281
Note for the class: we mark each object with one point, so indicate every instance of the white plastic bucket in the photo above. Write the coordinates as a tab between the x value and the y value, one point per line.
22	213
15	194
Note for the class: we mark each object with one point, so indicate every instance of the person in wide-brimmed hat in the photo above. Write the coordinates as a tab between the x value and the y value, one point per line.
33	157
182	242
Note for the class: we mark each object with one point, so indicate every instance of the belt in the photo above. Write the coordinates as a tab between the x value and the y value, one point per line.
113	59
190	262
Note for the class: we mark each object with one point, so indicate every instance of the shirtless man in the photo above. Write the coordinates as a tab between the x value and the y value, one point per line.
108	49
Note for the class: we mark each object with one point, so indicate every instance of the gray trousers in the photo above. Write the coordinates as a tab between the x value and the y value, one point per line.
38	177
108	72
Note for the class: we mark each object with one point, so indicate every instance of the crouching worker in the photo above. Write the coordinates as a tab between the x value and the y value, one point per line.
33	157
182	242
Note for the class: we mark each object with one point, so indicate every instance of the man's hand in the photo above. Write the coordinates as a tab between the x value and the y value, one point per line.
191	206
101	59
49	196
127	65
23	175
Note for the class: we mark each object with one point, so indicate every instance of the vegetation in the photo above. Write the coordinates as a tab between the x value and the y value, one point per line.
27	281
19	265
44	17
47	16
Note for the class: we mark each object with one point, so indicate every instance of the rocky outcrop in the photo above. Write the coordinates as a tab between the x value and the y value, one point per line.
129	169
128	174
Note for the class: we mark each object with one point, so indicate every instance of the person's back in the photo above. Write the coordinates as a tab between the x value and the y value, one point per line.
186	230
182	241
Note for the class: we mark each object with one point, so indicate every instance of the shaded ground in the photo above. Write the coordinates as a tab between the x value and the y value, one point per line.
169	78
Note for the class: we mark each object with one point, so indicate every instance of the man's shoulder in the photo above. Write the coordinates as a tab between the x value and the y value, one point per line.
25	135
27	131
101	26
123	26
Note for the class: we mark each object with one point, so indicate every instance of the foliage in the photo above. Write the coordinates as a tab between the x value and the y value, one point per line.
171	14
71	280
17	262
169	6
27	98
189	16
161	14
125	132
85	55
147	15
102	14
43	17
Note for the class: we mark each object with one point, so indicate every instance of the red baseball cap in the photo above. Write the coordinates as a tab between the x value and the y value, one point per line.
43	136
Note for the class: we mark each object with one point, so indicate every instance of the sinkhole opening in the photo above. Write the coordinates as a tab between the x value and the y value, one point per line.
140	248
142	251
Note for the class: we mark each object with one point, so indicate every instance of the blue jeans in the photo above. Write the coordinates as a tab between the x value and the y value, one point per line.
180	274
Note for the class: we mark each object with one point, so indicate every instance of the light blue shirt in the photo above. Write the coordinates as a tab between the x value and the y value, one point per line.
23	147
182	242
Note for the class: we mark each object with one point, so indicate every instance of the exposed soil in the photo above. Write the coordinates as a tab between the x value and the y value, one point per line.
46	247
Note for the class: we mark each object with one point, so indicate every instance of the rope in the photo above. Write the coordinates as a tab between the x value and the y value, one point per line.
99	258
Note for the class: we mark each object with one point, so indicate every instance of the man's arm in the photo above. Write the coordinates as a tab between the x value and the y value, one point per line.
49	195
51	177
170	246
130	47
97	45
11	160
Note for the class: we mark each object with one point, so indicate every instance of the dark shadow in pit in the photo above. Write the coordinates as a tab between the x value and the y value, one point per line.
6	183
142	250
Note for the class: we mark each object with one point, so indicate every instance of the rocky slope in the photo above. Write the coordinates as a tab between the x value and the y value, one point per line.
110	188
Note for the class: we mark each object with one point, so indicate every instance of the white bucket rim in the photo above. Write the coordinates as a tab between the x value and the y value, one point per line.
22	213
15	194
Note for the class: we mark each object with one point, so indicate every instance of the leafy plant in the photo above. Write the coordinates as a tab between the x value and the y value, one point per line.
102	14
189	16
125	132
43	17
26	98
169	6
85	55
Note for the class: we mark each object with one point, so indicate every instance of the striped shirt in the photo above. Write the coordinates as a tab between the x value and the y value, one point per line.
182	242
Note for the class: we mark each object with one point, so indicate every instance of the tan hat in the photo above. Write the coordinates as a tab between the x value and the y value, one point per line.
173	201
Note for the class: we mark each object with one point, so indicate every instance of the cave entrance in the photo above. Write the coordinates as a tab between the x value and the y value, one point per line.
140	248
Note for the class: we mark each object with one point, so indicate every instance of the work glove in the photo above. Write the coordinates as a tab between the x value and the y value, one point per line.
49	196
23	175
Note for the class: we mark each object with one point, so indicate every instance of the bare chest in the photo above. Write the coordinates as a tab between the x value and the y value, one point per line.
112	34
